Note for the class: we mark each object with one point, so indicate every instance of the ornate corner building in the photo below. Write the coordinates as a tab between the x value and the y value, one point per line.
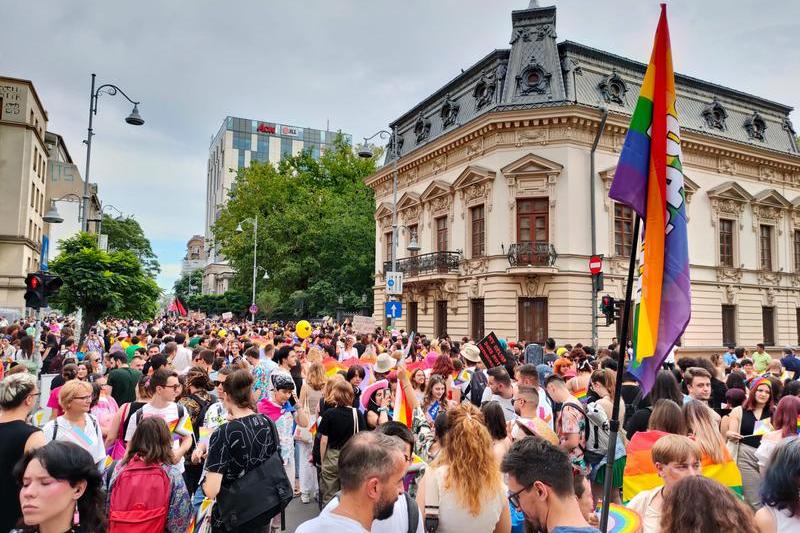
493	183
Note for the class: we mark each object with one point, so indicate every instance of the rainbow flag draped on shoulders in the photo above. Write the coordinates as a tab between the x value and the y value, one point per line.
649	180
641	474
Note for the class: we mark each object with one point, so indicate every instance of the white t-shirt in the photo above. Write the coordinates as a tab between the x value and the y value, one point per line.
178	426
182	359
397	523
90	438
328	523
505	403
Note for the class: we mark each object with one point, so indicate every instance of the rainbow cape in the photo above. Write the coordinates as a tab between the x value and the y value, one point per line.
621	519
641	474
402	407
581	394
649	180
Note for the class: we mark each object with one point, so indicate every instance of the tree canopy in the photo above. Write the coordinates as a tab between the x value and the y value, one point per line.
127	234
102	284
316	231
188	285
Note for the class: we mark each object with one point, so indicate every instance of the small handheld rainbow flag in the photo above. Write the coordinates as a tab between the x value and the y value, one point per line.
581	394
402	407
798	424
762	427
621	519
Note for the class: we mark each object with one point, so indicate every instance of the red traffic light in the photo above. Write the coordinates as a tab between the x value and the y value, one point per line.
33	282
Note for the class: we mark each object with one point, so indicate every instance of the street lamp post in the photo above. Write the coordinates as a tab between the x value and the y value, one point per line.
133	119
367	153
254	220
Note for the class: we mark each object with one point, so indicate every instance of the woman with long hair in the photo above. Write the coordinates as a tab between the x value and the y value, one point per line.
579	385
60	481
667	417
197	401
665	387
697	504
310	396
743	432
495	422
435	399
700	425
152	445
418	380
355	376
784	427
780	491
602	383
472	496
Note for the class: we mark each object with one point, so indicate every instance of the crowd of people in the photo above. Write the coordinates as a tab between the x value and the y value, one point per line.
178	425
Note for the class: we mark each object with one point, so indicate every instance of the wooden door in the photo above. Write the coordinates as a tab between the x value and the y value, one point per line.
533	320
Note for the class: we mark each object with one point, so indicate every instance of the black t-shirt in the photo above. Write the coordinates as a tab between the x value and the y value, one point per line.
240	445
13	436
718	392
638	422
337	425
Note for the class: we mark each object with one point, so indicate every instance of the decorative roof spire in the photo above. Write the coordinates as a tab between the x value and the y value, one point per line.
533	4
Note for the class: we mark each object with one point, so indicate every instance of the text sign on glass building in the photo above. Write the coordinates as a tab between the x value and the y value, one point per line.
290	131
263	127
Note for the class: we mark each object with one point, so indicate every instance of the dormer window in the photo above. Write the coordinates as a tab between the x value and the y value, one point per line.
715	115
613	88
755	126
449	112
422	128
533	79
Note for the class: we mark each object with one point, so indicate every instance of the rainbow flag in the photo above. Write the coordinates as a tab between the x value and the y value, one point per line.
402	407
762	427
581	394
641	474
621	519
798	424
649	180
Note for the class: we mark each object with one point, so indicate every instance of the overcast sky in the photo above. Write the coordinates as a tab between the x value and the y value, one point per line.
356	63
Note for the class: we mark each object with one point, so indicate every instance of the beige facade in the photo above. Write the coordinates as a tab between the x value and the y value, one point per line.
65	189
23	186
195	257
500	205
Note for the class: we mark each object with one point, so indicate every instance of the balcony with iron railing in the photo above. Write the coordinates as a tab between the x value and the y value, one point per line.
527	255
427	264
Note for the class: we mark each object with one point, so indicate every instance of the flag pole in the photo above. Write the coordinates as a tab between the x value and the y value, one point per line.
614	423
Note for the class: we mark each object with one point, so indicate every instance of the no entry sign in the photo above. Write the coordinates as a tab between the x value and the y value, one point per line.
595	264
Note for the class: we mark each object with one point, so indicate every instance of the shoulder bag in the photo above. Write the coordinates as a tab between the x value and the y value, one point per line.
431	519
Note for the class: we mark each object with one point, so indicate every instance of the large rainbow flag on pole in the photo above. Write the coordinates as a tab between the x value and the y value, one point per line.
649	179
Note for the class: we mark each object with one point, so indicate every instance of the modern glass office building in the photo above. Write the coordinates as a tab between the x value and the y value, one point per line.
240	141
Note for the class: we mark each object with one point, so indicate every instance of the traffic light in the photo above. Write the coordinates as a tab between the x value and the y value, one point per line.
39	286
34	290
607	307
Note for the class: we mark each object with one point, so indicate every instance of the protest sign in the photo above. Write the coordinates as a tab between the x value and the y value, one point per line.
363	324
492	353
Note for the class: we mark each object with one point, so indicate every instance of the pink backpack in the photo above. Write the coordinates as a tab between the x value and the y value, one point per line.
139	499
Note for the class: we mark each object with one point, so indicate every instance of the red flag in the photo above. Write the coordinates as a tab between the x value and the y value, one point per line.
179	307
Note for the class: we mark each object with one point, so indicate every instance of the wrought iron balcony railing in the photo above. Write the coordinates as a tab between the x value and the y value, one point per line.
523	254
436	262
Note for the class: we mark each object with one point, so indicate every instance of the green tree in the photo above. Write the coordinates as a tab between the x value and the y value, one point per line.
188	285
102	284
127	234
316	231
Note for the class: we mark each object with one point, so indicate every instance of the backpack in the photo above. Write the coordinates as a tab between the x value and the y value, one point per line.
201	416
413	512
477	384
139	414
597	431
632	407
139	501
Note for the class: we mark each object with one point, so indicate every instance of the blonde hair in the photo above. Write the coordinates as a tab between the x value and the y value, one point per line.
705	433
314	355
71	390
472	470
315	376
675	448
328	390
341	394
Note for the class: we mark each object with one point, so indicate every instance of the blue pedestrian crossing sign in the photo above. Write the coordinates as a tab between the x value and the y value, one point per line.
394	309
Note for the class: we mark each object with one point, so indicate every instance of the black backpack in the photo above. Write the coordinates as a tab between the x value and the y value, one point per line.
477	384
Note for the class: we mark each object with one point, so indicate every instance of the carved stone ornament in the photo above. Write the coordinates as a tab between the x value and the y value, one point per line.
769	296
755	126
730	295
438	164
475	288
786	124
422	128
532	136
729	274
521	33
726	166
390	146
532	286
533	79
715	115
613	88
449	111
484	90
441	203
475	266
767	277
475	148
448	290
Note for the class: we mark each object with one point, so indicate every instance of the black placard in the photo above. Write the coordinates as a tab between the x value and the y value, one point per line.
492	353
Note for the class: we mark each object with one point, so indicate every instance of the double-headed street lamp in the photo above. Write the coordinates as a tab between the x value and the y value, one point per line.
133	119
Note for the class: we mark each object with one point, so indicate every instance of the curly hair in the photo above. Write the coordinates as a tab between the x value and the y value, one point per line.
467	450
698	504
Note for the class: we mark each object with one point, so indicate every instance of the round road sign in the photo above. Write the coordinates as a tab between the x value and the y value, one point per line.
253	309
595	264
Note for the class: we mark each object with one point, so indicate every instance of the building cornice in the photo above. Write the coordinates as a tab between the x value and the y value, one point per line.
27	126
576	124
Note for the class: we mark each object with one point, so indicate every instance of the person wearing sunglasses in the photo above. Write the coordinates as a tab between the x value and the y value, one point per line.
165	387
77	424
540	484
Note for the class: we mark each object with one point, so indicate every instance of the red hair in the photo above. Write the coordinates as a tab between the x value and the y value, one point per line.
785	417
443	366
750	403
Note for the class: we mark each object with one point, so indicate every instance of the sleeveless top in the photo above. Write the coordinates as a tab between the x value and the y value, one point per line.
783	522
13	436
454	517
314	396
748	426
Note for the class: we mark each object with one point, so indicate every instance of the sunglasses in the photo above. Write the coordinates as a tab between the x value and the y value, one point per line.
217	383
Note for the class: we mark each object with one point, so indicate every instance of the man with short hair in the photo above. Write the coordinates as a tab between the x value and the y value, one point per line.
183	355
165	387
170	349
123	379
540	484
262	368
570	424
698	385
790	362
153	350
730	356
528	375
499	389
371	471
526	403
203	359
761	359
286	359
137	363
